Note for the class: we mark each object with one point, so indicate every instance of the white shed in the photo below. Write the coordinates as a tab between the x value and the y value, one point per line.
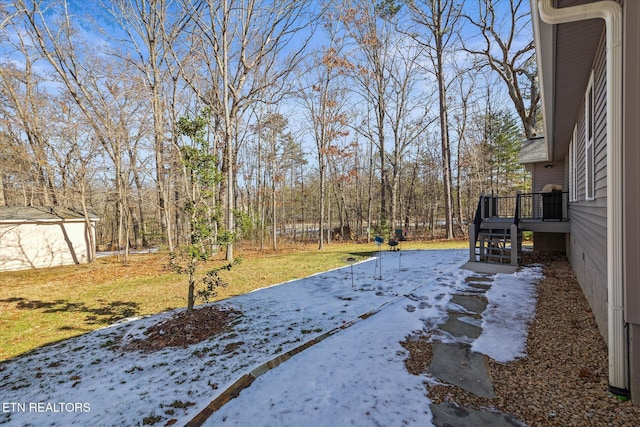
44	236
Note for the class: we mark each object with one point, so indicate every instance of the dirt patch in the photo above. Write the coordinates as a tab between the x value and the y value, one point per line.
185	328
563	380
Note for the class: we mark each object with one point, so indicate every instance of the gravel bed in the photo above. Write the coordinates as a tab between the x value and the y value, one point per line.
563	379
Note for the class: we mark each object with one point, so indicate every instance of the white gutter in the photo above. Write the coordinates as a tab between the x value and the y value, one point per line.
611	13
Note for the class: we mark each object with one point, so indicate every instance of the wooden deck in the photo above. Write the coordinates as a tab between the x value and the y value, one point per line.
496	233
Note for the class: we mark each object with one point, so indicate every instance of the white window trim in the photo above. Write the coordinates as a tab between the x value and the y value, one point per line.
573	167
589	136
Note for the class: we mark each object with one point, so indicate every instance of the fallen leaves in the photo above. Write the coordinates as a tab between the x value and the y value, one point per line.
420	354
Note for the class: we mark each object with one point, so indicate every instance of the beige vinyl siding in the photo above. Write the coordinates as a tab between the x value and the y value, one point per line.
571	174
565	171
589	151
580	163
631	159
543	175
600	165
588	240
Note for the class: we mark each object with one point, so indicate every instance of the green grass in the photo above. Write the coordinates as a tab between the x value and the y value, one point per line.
39	307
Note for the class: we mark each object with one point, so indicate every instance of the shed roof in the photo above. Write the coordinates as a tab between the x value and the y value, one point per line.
43	213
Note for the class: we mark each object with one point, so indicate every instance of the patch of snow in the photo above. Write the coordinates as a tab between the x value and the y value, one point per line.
355	376
512	304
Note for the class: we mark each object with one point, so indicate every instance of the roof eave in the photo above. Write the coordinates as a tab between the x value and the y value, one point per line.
45	220
545	52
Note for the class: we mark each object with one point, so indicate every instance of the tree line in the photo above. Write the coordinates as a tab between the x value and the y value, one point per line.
227	121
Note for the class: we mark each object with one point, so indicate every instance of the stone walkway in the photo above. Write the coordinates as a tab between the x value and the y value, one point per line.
457	364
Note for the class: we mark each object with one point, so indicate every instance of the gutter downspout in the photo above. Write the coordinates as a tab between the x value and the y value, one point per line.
611	13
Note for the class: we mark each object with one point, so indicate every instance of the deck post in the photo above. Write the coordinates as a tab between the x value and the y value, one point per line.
472	243
514	244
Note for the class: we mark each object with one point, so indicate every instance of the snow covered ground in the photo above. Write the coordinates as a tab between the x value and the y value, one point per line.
356	376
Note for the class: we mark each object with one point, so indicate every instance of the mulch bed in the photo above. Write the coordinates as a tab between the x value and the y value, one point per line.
185	328
563	380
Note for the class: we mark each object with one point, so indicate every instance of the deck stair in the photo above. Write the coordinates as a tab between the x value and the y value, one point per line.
495	235
495	242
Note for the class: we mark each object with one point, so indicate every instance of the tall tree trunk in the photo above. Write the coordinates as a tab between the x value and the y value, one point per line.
328	201
445	144
411	196
459	192
139	226
303	206
274	210
3	196
161	175
383	167
123	235
91	249
395	184
321	167
370	193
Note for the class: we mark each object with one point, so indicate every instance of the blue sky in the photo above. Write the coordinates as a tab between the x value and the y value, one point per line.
99	30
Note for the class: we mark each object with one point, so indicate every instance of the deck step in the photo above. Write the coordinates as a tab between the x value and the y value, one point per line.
494	242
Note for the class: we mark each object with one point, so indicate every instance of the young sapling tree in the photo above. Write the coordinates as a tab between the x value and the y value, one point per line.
200	176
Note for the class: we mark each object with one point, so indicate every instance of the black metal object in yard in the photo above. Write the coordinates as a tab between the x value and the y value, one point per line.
552	205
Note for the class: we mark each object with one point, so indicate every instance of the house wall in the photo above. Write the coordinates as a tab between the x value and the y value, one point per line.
587	249
631	160
543	175
42	244
549	242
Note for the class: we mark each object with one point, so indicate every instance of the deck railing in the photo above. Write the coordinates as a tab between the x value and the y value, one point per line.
553	206
477	221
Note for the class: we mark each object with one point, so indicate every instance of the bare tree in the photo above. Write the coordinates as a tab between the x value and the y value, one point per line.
271	129
408	117
5	17
434	29
323	94
92	80
26	107
507	47
293	164
8	12
373	55
343	175
466	82
151	26
78	160
237	52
